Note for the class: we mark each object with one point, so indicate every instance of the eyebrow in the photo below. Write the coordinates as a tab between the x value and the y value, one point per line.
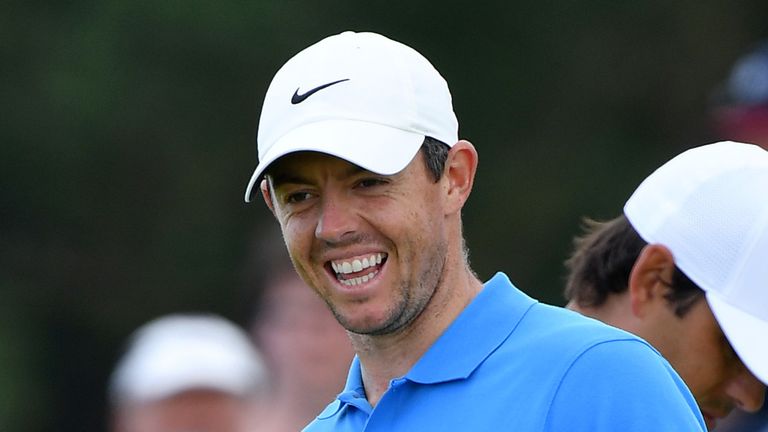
281	178
286	178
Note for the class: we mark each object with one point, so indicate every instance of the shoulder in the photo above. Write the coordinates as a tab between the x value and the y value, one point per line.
571	334
622	382
549	341
545	340
575	373
532	322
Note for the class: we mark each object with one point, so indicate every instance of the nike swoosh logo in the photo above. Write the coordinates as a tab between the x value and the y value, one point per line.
299	98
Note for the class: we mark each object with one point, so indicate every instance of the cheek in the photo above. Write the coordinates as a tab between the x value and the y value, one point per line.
296	246
427	224
296	233
426	211
414	228
707	367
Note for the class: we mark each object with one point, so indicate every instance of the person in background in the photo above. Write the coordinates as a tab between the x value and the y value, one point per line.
187	372
740	107
740	112
307	353
695	229
361	165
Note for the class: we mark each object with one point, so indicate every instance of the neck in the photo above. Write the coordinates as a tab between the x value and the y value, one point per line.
385	357
615	311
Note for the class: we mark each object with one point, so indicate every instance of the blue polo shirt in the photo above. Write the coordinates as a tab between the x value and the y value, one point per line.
510	363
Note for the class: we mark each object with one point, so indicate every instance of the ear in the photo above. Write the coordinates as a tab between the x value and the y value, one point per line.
266	193
459	173
649	279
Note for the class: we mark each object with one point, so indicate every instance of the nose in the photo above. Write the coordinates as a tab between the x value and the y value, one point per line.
747	391
337	219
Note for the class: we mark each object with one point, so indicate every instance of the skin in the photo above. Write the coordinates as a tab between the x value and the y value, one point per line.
693	344
194	410
332	211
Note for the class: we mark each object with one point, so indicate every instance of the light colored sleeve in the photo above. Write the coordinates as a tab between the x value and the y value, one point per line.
622	385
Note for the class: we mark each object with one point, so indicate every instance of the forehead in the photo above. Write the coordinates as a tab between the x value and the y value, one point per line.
298	164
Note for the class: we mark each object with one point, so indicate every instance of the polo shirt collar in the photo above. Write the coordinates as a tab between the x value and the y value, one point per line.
484	325
354	390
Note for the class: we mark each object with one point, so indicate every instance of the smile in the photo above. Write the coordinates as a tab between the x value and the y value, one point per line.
358	270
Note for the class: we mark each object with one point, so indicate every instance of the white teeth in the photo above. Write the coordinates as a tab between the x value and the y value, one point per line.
357	265
358	280
347	267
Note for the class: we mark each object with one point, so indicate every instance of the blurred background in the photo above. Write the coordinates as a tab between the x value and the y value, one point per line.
127	137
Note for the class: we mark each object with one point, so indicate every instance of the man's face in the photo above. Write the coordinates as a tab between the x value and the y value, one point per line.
372	246
699	351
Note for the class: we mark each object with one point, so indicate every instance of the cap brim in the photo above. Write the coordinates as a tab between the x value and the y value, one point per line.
371	146
745	333
197	366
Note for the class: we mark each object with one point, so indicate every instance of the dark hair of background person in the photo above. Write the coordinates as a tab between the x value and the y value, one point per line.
602	261
306	351
266	260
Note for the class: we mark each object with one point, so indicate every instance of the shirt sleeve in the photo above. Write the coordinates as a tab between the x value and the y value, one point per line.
623	386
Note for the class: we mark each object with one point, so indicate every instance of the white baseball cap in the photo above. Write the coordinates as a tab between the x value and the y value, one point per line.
358	96
182	352
709	206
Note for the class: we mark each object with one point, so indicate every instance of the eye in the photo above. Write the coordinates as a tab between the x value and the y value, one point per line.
371	182
297	197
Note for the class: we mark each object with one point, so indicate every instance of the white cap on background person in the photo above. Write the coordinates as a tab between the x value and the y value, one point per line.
358	96
181	352
709	206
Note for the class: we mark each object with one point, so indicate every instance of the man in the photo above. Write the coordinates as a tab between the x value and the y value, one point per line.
696	228
361	165
187	372
740	112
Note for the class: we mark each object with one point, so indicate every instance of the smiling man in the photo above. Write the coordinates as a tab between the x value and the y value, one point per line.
360	163
695	229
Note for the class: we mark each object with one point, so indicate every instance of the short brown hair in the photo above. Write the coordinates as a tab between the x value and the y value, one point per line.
602	261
